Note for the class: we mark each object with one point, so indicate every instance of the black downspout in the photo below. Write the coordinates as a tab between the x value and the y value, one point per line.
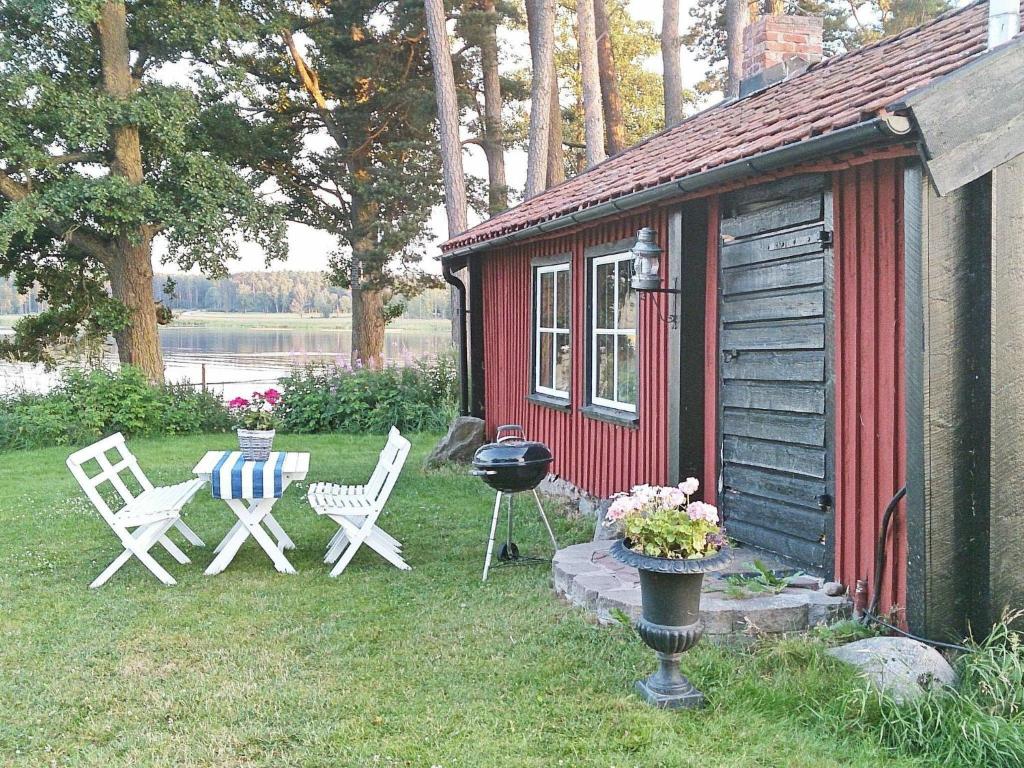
451	278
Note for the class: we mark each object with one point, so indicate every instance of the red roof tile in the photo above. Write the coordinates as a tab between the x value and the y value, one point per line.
838	92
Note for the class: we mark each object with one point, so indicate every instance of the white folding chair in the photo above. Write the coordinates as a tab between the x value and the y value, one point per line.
355	508
151	514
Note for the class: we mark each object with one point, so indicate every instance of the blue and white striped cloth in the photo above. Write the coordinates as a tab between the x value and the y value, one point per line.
235	478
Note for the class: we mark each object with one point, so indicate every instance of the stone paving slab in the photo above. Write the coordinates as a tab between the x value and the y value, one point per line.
589	577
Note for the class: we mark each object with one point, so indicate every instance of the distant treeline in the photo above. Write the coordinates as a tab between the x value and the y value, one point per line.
306	293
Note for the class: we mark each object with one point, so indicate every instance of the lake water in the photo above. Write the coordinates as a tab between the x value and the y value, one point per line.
239	360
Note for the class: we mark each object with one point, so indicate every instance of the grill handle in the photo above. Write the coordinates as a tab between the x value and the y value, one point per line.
482	472
510	432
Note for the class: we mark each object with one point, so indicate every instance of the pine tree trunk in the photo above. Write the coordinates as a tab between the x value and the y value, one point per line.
593	114
556	149
614	123
671	63
736	15
493	138
447	117
131	282
540	16
131	267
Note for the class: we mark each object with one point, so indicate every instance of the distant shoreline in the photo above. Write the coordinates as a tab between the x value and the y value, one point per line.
268	321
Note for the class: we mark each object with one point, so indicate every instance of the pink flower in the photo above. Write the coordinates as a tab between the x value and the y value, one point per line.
673	497
689	486
238	402
272	396
698	510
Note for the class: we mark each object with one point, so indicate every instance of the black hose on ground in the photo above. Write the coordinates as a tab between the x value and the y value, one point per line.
870	616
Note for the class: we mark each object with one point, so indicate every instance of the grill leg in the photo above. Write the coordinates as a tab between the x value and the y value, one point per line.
540	508
490	540
508	525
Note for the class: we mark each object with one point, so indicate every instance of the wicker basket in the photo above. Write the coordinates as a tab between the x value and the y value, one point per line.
255	443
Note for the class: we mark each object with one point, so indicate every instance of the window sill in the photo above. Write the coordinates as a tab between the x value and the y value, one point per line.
547	401
612	416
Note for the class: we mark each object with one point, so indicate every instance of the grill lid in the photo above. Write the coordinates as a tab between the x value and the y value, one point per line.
511	453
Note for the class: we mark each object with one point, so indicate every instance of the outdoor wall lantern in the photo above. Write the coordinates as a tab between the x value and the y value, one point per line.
647	261
647	269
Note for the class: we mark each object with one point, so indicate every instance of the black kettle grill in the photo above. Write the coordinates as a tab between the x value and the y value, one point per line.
511	465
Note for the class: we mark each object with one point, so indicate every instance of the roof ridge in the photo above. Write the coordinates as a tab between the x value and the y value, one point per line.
890	40
716	134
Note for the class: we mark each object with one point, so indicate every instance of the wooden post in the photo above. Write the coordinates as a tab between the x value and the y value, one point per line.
202	375
1006	519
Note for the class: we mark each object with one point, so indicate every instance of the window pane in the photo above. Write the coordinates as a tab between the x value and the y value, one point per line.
604	295
627	297
604	382
547	299
563	361
564	298
627	369
544	361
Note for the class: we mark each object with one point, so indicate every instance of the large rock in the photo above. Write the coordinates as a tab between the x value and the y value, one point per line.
465	435
901	667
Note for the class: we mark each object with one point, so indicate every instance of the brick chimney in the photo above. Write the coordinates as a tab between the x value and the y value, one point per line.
775	47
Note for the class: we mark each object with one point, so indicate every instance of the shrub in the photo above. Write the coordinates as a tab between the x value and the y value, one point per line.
981	723
418	398
86	405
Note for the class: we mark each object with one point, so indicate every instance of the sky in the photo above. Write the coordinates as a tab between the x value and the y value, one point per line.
309	249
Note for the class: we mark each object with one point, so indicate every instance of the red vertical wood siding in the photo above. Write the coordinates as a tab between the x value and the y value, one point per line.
596	456
870	453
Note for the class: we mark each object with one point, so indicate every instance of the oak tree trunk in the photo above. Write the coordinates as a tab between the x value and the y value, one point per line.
130	266
593	114
493	138
671	63
556	149
131	281
615	125
368	298
540	16
368	325
736	16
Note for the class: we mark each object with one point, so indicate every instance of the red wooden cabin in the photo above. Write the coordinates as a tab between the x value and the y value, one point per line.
841	268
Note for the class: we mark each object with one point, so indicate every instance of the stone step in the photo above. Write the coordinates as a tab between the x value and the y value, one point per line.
589	577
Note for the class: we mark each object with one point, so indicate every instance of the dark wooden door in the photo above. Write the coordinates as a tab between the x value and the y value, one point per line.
775	370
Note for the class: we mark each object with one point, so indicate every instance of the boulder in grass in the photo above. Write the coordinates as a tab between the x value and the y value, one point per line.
465	435
899	666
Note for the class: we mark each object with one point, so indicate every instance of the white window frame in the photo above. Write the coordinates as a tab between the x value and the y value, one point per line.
619	258
554	329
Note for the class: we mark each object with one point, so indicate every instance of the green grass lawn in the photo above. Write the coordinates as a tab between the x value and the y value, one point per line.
376	668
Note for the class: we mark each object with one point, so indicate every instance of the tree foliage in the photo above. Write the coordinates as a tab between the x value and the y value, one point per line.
847	26
66	209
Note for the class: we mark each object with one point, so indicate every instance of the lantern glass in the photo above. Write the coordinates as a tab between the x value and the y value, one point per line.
647	261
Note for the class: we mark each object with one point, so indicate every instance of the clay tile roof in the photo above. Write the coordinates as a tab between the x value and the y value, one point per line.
836	93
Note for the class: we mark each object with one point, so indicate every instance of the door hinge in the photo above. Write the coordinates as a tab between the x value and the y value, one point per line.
826	238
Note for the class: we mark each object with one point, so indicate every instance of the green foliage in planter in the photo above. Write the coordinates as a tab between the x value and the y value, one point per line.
418	398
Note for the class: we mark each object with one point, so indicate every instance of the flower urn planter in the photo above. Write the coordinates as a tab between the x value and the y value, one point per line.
255	444
670	622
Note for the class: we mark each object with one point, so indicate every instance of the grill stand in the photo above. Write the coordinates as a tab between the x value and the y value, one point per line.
509	553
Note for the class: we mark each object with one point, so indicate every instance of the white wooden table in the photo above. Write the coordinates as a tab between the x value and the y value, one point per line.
253	514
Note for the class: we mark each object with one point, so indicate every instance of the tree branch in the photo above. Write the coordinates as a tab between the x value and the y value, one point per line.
86	241
311	82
